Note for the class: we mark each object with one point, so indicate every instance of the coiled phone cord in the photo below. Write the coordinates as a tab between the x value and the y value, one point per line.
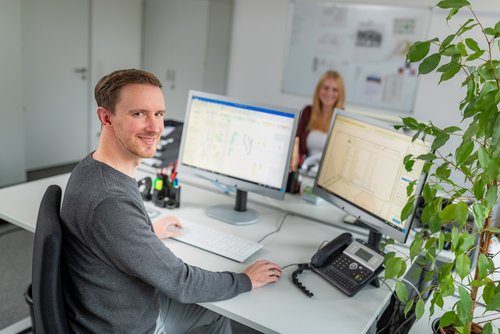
295	278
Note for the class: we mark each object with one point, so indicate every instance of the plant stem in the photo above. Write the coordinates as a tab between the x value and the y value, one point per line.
484	241
490	59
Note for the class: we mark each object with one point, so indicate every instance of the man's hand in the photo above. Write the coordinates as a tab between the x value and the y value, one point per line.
263	272
167	227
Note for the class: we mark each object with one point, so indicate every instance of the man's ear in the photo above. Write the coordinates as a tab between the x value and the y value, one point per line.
104	116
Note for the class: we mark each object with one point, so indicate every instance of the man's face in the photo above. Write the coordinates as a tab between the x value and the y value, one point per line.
138	119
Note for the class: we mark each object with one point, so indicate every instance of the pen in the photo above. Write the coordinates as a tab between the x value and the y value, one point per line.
174	171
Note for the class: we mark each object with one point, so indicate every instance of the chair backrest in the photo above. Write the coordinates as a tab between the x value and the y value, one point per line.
48	302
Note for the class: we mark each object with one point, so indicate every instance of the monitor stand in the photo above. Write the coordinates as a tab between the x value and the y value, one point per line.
374	238
237	214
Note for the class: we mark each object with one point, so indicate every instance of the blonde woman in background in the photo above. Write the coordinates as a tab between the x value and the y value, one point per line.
315	120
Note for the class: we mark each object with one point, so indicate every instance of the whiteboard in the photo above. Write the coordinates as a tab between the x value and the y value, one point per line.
366	44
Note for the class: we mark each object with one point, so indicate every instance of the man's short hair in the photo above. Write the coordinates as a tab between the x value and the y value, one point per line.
107	90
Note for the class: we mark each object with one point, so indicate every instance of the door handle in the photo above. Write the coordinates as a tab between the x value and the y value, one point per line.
82	71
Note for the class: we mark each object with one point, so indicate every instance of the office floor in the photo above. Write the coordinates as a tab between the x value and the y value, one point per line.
16	246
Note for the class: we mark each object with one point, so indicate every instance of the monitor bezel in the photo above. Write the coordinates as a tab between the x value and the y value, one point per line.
233	182
372	221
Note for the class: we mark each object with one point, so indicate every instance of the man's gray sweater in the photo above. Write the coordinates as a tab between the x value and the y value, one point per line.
114	266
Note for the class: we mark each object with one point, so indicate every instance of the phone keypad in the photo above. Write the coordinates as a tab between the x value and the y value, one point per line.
351	268
332	274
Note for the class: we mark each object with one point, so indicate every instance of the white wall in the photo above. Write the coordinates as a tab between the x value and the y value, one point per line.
186	44
220	17
258	50
12	156
116	43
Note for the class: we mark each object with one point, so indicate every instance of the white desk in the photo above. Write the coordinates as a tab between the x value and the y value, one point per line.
276	308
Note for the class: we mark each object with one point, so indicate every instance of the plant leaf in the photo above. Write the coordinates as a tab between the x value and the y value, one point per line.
464	306
488	292
467	243
494	302
393	267
449	51
440	139
448	40
461	213
410	187
409	162
428	193
461	48
447	319
452	129
478	189
408	306
401	291
410	122
441	241
475	55
484	265
487	328
463	265
453	4
455	238
429	63
408	208
443	171
416	247
478	212
419	308
434	223
495	140
418	51
427	157
491	196
448	213
450	73
463	151
489	31
472	44
483	157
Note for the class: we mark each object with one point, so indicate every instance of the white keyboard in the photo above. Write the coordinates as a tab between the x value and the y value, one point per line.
217	242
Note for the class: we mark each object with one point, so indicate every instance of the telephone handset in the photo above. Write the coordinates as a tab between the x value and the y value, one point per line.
346	263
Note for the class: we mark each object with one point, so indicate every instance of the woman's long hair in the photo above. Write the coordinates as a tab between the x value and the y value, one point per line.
315	122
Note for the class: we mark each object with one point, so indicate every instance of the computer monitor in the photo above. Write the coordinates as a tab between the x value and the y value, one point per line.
362	172
241	144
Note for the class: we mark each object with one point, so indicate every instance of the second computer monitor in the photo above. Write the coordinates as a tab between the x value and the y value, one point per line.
362	171
241	144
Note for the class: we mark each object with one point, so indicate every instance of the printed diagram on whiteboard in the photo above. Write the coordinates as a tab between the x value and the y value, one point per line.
367	44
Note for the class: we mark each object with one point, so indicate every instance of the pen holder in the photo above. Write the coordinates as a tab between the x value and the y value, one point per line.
175	198
293	183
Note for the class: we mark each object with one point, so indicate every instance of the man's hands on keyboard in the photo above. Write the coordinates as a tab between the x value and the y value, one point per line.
263	272
167	227
204	237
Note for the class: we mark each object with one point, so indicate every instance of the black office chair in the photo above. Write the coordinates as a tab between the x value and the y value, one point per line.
48	303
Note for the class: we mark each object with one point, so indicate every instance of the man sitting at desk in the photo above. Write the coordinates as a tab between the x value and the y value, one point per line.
118	276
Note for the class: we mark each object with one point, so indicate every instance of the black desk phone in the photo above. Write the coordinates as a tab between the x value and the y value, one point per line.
346	263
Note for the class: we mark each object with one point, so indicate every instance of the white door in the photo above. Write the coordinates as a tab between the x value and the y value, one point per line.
55	80
175	37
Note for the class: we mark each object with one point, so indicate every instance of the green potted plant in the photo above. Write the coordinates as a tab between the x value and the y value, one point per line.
455	214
